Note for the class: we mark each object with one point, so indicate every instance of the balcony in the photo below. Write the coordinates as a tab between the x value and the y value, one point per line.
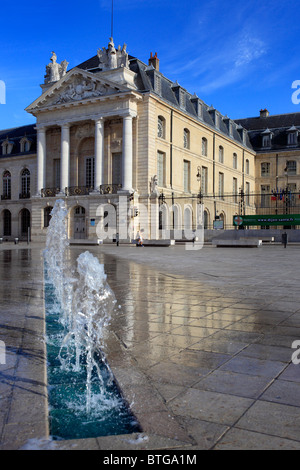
78	191
25	195
49	192
110	188
5	197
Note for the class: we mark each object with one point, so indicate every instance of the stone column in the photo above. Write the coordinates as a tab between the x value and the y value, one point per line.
127	154
41	158
65	157
99	153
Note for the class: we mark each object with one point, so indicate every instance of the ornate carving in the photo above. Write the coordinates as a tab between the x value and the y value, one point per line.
55	71
153	185
111	58
80	90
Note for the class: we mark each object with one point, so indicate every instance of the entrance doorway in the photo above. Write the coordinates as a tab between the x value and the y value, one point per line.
79	222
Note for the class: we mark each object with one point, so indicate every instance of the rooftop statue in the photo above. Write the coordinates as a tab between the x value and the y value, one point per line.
55	71
111	58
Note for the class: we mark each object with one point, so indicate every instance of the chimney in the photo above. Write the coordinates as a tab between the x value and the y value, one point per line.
154	60
264	113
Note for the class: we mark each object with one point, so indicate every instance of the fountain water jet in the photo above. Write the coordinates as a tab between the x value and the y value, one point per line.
85	303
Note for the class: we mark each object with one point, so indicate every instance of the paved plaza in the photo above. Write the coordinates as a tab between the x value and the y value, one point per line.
201	347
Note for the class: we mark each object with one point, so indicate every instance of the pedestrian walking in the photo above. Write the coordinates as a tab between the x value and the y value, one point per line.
284	239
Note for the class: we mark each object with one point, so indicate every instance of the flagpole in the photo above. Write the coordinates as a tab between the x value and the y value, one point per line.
112	18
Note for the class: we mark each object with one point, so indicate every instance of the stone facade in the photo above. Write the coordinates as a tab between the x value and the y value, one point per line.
129	151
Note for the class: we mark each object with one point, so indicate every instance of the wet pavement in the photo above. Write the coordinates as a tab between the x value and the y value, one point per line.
201	347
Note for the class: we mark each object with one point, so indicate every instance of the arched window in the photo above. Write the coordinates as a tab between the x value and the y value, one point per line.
47	216
234	161
204	147
206	219
161	127
221	154
25	183
188	219
186	138
25	221
6	181
6	223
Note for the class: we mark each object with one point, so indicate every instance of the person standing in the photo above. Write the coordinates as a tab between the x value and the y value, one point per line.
284	239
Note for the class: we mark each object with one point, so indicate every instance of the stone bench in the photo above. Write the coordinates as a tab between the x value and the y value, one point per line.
241	243
158	242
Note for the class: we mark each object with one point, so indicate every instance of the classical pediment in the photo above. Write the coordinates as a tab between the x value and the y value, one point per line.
75	87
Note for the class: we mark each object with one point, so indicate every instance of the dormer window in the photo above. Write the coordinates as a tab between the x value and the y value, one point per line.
25	144
292	136
266	138
7	147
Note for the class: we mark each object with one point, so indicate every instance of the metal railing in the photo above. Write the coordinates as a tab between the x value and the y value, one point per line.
110	188
78	190
49	192
25	195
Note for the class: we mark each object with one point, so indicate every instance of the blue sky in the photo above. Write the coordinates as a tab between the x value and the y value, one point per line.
238	56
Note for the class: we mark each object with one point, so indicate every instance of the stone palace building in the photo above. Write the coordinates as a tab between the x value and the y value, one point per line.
131	151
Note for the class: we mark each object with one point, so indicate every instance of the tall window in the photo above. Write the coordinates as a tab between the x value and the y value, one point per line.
265	196
266	140
161	127
247	194
221	154
204	180
160	168
235	161
6	180
221	185
117	168
204	147
6	223
89	172
186	138
265	169
235	189
25	182
186	176
247	167
291	167
25	221
47	216
56	173
292	138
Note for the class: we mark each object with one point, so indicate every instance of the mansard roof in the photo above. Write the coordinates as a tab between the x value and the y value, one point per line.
14	135
145	83
280	125
276	121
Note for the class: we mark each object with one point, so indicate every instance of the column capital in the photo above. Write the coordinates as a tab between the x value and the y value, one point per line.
65	125
41	128
128	113
99	119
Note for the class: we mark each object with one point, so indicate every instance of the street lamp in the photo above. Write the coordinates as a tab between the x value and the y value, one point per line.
287	197
242	201
198	176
